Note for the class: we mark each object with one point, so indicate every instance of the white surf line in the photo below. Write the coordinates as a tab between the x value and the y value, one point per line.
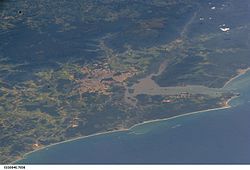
121	130
145	122
244	71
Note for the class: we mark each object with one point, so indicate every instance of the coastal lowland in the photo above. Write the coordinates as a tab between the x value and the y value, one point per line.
70	69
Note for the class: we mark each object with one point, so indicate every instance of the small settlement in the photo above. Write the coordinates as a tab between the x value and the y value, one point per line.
99	79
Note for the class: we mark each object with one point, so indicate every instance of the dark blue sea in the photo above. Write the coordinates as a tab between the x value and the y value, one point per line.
221	136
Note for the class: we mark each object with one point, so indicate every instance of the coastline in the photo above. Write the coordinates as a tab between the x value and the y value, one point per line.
181	115
226	106
128	129
240	73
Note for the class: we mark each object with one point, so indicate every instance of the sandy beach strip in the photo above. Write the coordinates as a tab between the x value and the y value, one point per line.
124	130
240	73
227	105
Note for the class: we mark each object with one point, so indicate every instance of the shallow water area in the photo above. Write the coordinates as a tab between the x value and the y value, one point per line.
217	136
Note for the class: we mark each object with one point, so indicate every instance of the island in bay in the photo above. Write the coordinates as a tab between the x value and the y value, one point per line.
70	69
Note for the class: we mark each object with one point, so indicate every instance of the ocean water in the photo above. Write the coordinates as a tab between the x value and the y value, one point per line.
221	136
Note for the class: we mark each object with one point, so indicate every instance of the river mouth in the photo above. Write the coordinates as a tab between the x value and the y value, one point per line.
148	86
196	128
48	97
